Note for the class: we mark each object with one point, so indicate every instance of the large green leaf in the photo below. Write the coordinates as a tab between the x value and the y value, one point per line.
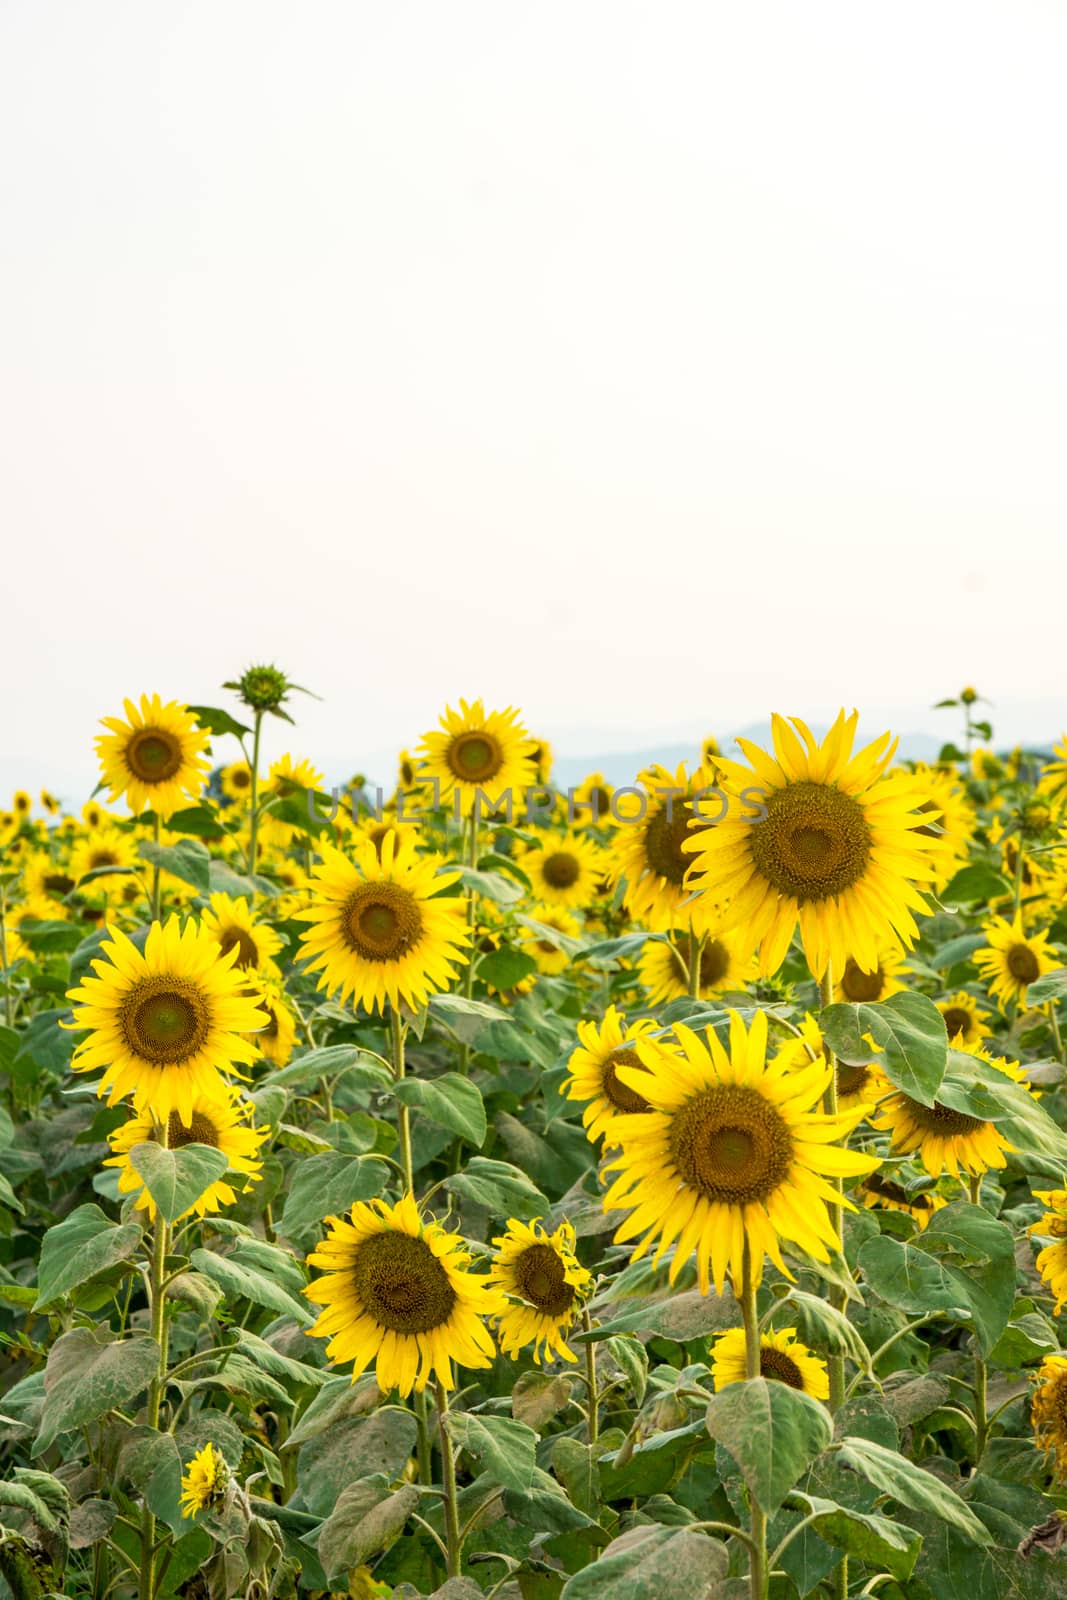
896	1476
502	1447
654	1563
909	1032
361	1067
877	1541
979	1089
450	1100
1053	986
773	1431
177	1178
500	1187
366	1518
89	1373
79	1247
248	1283
187	860
977	881
327	1186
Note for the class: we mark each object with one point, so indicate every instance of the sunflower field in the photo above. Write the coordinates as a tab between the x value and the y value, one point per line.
474	1187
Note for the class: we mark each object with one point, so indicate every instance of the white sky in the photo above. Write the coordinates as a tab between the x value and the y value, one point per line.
645	366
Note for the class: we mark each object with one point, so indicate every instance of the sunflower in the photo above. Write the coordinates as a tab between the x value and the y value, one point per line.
275	1041
407	778
866	987
106	847
882	1194
156	757
204	1482
220	1120
565	871
942	797
231	924
382	930
288	776
733	1151
782	1359
964	1018
590	804
46	877
836	848
648	851
164	1024
664	966
50	802
396	1291
1052	1260
541	756
478	756
710	750
859	1087
986	764
947	1140
551	958
1048	1412
1053	778
235	781
1013	960
593	1072
545	1285
378	829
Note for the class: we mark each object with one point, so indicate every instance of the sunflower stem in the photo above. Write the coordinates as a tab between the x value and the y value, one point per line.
403	1113
157	829
757	1516
448	1478
838	1298
472	921
253	821
696	951
981	1377
590	1381
9	1011
1019	863
422	1444
158	1325
1056	1034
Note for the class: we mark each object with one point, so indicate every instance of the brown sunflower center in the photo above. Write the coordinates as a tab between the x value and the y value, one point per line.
153	755
381	921
540	1278
235	938
474	757
600	801
103	858
859	985
401	1283
957	1020
1022	963
813	843
663	842
560	869
941	1120
201	1131
58	883
714	961
165	1020
731	1144
776	1364
851	1080
622	1097
241	779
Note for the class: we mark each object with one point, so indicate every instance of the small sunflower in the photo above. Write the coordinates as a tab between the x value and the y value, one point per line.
541	756
664	967
235	781
1048	1412
734	1150
220	1120
947	1140
377	829
396	1291
883	1194
834	845
859	1087
710	750
782	1359
649	851
591	802
1053	779
867	987
551	958
593	1071
164	1024
105	847
275	1041
231	923
204	1482
407	778
565	871
545	1284
44	876
986	765
50	802
1014	959
156	757
481	756
964	1018
289	776
381	928
942	797
1052	1260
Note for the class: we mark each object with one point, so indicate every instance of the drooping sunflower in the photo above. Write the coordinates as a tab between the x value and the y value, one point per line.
204	1482
396	1291
782	1359
1048	1412
565	871
867	987
156	757
1013	960
649	851
817	836
381	928
478	756
859	1085
964	1018
1052	1260
590	805
879	1193
663	968
231	923
945	1139
164	1024
221	1120
235	780
593	1071
734	1150
551	957
545	1284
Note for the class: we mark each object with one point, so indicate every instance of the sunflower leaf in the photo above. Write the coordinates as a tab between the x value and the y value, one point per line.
79	1247
901	1479
1053	986
773	1431
451	1100
503	1448
187	860
328	1185
177	1178
90	1372
500	1187
875	1540
653	1563
909	1033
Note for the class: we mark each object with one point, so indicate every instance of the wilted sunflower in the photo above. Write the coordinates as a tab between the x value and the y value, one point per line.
164	1024
733	1150
868	987
593	1071
221	1120
204	1482
1048	1412
1014	959
964	1018
664	967
155	758
1052	1260
235	780
947	1140
396	1292
879	1193
381	928
648	850
817	836
565	871
480	756
231	923
782	1359
545	1284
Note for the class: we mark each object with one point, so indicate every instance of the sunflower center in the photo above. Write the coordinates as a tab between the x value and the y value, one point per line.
622	1097
58	883
714	961
859	985
776	1364
153	755
541	1279
851	1080
1022	963
813	843
201	1131
401	1283
600	800
561	870
663	842
165	1020
941	1120
381	921
241	779
103	858
271	1030
731	1144
474	757
957	1021
234	938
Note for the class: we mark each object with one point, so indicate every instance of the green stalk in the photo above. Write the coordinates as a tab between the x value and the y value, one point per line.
838	1298
758	1577
1018	895
593	1395
696	950
253	823
454	1538
472	922
981	1376
156	895
159	1331
403	1114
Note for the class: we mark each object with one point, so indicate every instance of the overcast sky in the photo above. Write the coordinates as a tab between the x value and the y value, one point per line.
647	366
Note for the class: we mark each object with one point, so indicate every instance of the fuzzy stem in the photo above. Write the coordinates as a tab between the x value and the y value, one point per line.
253	821
981	1376
472	922
593	1395
448	1478
757	1516
403	1113
696	951
159	1331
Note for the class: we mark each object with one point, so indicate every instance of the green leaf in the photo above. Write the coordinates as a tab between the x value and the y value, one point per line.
957	950
328	1186
76	1249
1053	986
8	1197
654	1563
90	1372
910	1034
492	885
248	1283
351	1449
683	1317
177	1178
502	1447
877	1541
364	1521
203	821
1040	1145
773	1432
51	938
539	1396
894	1475
973	883
505	968
500	1187
575	1465
333	1061
216	721
451	1100
187	860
